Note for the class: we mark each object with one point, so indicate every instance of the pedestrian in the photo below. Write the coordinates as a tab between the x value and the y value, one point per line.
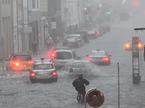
34	48
79	85
49	42
55	40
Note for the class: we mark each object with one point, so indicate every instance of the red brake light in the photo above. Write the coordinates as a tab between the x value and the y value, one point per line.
105	59
16	63
71	70
54	73
33	74
98	33
52	54
89	59
127	45
139	45
30	62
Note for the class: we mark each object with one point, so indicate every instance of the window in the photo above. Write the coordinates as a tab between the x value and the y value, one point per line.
63	55
43	66
33	4
3	1
22	57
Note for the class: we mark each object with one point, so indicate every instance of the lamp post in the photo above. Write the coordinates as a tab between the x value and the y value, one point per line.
65	10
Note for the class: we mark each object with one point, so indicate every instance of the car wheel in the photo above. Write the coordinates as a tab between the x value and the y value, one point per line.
33	80
55	79
82	44
7	68
10	69
78	45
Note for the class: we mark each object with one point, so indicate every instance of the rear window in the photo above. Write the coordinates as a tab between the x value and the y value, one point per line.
42	66
98	53
63	55
22	57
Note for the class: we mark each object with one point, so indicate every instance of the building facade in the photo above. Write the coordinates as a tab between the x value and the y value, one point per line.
34	17
43	23
6	28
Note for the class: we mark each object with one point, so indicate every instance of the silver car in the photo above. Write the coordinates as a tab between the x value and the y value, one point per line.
43	70
81	66
62	56
99	57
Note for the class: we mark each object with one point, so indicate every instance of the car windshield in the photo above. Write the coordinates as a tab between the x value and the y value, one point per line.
42	66
63	55
98	53
22	57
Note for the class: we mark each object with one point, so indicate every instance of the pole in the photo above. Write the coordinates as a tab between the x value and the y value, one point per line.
118	87
3	59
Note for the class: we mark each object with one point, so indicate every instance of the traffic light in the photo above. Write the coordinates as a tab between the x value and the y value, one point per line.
85	9
107	12
136	3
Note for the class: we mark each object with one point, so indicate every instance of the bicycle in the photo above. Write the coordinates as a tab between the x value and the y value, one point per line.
80	98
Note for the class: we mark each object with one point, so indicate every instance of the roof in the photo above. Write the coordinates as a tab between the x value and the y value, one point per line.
20	53
80	61
45	61
98	51
62	48
74	35
80	31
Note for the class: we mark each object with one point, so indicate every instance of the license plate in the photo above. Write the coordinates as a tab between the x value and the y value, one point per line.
43	74
24	66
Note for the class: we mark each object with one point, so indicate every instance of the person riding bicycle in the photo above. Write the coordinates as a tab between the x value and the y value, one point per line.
79	85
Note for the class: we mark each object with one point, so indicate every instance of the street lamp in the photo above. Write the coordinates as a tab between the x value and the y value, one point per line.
65	11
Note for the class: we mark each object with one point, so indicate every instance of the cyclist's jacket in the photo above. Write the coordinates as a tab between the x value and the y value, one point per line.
79	84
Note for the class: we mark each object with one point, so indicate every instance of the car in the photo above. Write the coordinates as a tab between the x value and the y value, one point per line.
80	66
99	56
19	61
62	56
43	71
101	28
98	32
84	34
128	45
73	40
92	34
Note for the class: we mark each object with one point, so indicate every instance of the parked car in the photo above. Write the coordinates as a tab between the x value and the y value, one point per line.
43	71
98	32
92	34
19	61
84	34
73	40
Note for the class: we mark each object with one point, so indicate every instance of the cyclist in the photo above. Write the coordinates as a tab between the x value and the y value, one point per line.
79	85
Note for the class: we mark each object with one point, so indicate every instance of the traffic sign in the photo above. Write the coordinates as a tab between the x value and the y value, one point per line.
95	98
